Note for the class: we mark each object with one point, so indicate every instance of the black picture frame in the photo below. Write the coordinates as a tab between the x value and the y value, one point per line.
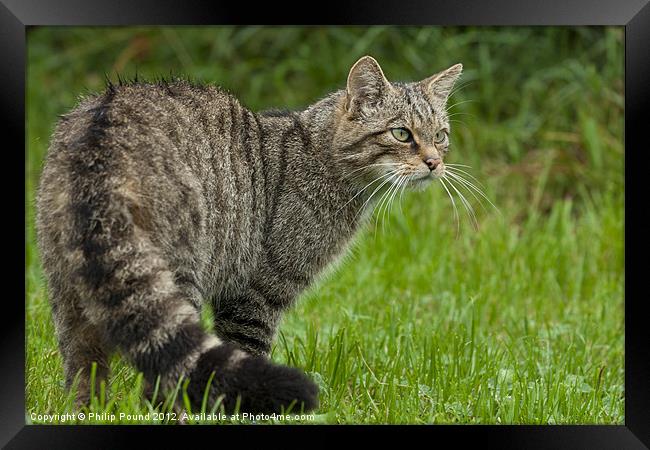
634	15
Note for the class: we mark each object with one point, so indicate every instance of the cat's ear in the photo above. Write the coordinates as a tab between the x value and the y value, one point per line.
366	84
439	86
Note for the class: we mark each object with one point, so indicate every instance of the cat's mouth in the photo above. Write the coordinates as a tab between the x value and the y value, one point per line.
423	180
428	177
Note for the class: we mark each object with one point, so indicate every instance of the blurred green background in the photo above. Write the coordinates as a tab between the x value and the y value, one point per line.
520	321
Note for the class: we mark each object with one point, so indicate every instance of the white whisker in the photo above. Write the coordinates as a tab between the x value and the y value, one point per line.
367	167
457	103
392	174
383	203
459	87
364	188
466	204
471	185
460	122
456	169
378	206
460	114
454	205
389	207
407	180
462	182
401	182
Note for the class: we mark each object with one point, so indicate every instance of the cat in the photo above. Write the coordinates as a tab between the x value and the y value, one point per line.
156	196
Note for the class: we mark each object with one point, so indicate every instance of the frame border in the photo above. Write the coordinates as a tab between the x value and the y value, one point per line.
634	15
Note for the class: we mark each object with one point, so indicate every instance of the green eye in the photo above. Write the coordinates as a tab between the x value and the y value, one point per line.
401	134
440	136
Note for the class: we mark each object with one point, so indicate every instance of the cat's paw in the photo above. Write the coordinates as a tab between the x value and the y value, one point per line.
261	385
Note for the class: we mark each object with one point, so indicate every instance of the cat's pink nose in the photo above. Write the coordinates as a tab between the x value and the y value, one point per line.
433	163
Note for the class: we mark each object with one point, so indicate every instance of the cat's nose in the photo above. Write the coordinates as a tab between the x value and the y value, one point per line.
433	163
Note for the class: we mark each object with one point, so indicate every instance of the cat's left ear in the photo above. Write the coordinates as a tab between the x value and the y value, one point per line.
439	86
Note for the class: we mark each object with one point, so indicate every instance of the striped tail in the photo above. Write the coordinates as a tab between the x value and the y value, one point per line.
135	301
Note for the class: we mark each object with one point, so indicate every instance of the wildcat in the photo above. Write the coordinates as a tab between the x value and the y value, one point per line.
156	196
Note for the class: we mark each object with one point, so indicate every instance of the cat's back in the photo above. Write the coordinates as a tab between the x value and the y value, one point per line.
160	156
132	117
144	131
153	134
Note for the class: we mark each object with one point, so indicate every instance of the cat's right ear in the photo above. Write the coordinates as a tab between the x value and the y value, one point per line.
366	84
439	86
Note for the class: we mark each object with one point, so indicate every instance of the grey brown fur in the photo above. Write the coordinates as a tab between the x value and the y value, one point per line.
158	196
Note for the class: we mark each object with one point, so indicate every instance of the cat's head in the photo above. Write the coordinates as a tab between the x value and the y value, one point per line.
396	131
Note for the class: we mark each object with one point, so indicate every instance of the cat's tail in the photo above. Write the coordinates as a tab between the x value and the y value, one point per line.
256	383
131	296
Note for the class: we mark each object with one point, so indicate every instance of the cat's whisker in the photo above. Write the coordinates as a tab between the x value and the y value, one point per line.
389	207
383	203
407	180
458	165
364	188
455	169
459	88
378	205
460	114
376	215
448	108
357	177
460	122
363	207
467	182
453	202
456	174
359	174
401	182
478	191
367	167
462	182
466	204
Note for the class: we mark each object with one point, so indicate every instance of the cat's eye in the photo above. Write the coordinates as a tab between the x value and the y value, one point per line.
440	136
401	134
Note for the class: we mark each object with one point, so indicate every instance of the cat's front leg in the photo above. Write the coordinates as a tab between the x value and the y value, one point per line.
249	320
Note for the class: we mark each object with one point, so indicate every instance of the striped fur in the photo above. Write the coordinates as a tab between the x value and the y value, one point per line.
158	196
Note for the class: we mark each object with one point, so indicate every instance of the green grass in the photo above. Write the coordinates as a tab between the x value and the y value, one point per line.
518	322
